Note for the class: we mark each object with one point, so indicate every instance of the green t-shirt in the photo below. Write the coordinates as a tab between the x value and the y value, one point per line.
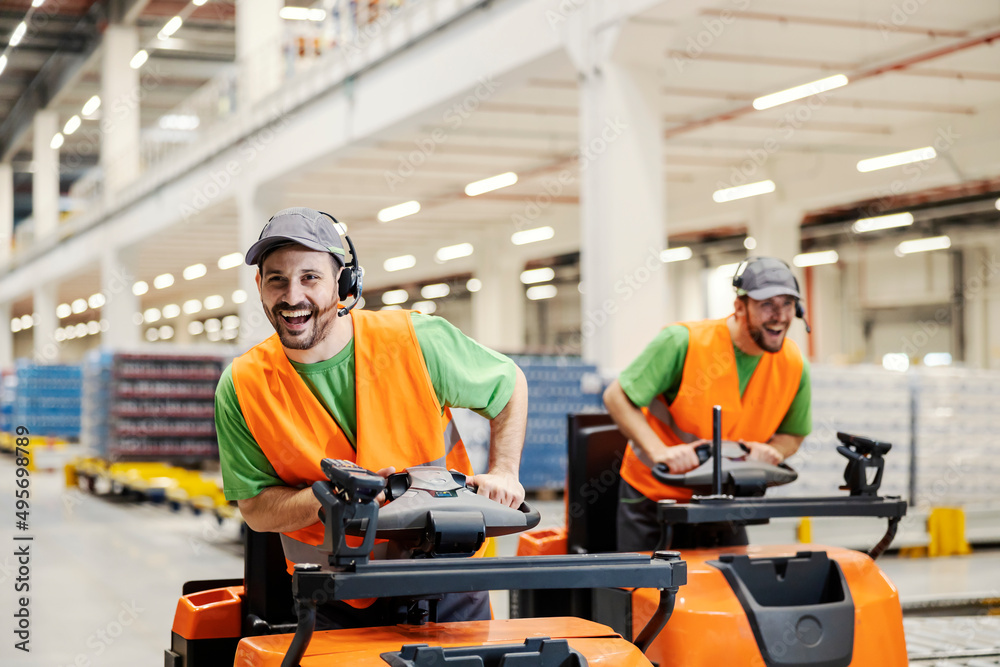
659	368
464	375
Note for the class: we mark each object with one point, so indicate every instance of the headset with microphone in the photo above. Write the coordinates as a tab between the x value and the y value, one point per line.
800	311
351	278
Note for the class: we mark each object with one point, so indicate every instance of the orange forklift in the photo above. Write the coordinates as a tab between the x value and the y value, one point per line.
268	618
779	606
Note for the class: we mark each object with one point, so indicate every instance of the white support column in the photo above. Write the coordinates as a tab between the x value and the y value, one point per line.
6	214
777	228
254	210
6	337
259	48
622	203
498	308
45	179
120	304
46	349
120	103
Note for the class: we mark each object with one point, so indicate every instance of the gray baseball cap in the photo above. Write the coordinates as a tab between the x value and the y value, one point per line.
299	225
765	277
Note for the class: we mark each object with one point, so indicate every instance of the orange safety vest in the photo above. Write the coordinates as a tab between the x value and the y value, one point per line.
400	421
710	378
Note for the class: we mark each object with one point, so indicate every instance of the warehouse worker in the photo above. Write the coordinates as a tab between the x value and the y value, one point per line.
369	387
663	401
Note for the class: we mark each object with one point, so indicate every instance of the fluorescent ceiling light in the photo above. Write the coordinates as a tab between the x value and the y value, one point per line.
539	292
171	310
93	327
57	141
231	322
895	361
72	125
196	328
937	359
96	300
435	291
393	307
151	315
537	275
18	33
398	211
27	321
676	254
3	63
474	284
79	305
426	307
163	280
230	261
451	252
139	59
728	270
140	288
882	222
239	296
92	105
815	258
996	204
743	191
532	235
185	122
399	263
490	184
64	310
152	335
172	26
301	14
195	271
749	243
37	3
395	296
192	306
923	245
213	324
798	92
15	325
896	159
166	332
198	3
214	301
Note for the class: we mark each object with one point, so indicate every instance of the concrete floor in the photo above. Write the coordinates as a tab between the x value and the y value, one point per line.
105	576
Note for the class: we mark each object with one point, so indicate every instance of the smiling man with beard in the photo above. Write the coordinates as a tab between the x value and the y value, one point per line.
663	401
370	387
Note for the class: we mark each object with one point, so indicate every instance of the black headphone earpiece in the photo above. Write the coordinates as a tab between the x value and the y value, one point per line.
351	278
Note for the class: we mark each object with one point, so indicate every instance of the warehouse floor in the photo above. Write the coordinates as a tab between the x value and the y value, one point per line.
105	576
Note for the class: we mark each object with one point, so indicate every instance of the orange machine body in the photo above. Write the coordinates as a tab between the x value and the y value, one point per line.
600	645
709	627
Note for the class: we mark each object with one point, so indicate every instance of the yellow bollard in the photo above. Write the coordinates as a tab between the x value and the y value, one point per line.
946	526
804	531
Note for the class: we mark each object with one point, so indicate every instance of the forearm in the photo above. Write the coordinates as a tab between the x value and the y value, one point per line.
786	443
280	509
507	430
632	423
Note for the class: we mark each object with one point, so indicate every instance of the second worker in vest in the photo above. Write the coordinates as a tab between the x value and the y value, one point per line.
663	401
373	387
